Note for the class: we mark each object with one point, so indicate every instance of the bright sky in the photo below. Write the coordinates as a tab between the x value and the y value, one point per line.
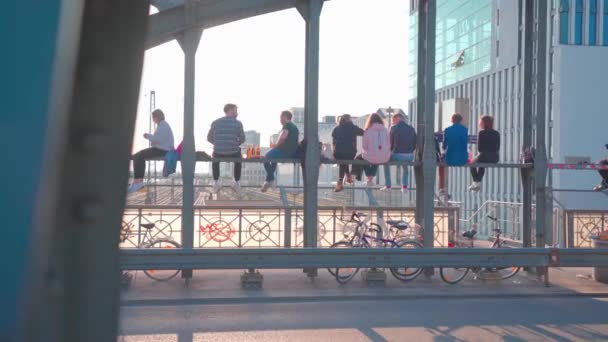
258	64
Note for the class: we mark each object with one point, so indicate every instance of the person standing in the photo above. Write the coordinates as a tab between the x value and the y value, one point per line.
285	147
161	142
403	145
488	145
344	138
227	135
376	148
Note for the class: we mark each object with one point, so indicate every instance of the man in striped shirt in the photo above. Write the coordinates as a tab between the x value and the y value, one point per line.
227	135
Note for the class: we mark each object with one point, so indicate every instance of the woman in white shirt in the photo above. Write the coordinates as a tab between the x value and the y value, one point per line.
162	141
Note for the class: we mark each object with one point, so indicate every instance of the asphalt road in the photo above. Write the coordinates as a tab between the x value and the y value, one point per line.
426	319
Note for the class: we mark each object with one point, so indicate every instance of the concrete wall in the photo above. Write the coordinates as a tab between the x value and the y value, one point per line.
580	105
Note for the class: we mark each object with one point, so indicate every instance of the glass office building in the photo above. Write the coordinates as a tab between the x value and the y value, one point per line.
463	41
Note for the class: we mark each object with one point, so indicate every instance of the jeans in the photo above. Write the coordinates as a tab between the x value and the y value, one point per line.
139	160
477	173
344	169
272	167
215	166
406	171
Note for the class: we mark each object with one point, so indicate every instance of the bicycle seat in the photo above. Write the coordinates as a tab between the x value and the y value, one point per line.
469	234
401	225
148	225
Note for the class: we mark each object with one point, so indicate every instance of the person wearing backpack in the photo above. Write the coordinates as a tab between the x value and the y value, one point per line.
376	148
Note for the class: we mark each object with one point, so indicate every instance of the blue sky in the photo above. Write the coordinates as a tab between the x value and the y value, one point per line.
258	64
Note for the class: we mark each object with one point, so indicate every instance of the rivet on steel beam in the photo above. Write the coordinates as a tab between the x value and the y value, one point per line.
89	210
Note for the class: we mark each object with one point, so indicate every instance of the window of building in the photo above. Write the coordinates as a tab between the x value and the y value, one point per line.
564	13
592	22
578	23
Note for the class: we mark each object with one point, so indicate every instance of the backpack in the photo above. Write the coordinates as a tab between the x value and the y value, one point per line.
527	155
170	163
379	145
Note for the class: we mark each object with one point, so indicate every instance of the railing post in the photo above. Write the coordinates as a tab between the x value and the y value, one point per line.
311	12
526	174
189	44
543	215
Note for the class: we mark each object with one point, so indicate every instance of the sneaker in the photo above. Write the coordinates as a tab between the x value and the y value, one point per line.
216	187
349	179
600	187
369	183
135	187
475	187
385	188
404	188
339	186
267	185
237	187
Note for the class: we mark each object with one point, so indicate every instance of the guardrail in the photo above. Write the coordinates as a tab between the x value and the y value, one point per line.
359	257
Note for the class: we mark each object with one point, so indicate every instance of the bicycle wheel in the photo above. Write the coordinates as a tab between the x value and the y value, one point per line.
502	273
407	273
162	275
346	274
339	244
453	275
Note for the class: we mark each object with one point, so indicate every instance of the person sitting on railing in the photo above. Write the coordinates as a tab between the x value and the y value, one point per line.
285	147
376	148
227	135
604	173
161	141
403	145
344	138
455	139
488	145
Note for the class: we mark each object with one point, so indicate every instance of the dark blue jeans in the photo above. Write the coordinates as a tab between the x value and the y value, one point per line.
271	168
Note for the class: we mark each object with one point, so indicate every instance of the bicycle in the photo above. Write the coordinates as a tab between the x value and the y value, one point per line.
150	241
361	239
455	275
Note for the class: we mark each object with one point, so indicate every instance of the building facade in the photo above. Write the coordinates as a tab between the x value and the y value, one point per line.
479	65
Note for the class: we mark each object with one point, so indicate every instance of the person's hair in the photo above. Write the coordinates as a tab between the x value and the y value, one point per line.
374	118
228	107
287	114
344	118
157	113
399	115
457	118
487	122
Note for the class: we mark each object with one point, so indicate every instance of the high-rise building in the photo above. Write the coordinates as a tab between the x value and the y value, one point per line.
479	70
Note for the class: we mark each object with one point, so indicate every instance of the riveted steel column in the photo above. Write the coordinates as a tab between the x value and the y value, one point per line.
189	43
311	12
425	175
528	33
79	300
543	212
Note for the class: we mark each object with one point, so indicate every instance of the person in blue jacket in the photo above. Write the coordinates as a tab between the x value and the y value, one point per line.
455	152
455	140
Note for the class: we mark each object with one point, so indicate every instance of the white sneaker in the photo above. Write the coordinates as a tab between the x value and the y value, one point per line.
404	188
237	187
370	183
475	187
135	187
385	188
216	186
267	185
